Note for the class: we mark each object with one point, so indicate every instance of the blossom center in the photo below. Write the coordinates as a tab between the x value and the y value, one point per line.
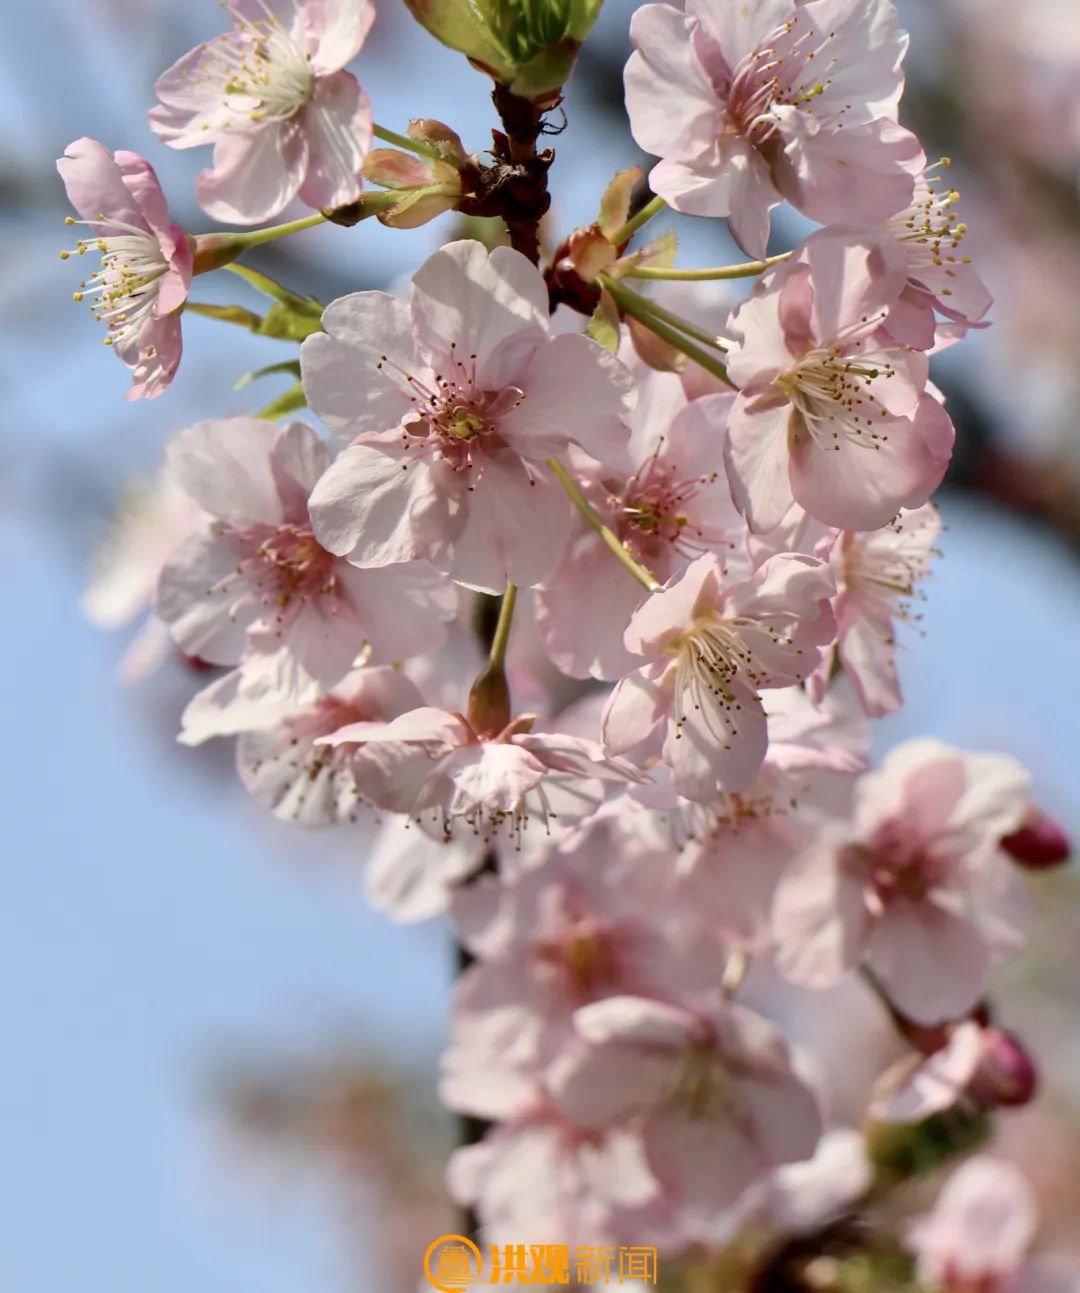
785	72
652	512
262	75
834	394
123	292
701	1085
453	415
931	230
285	566
711	661
585	956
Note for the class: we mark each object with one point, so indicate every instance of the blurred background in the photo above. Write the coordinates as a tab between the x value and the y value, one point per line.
220	1062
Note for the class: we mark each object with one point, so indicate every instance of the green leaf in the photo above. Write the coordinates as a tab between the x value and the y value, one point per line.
461	25
604	324
293	399
528	45
286	324
306	306
286	366
226	314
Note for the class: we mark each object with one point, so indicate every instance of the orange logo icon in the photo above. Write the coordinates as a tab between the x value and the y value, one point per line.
452	1263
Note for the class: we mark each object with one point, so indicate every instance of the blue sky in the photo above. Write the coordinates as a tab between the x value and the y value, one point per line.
153	915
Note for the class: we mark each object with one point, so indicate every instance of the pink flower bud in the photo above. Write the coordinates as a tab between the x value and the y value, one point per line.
1039	844
1007	1076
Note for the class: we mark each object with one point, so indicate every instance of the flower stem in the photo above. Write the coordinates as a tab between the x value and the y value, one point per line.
497	654
216	250
594	518
623	234
677	321
749	269
410	145
670	328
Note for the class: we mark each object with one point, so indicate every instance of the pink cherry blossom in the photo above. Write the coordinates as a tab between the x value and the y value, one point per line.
146	260
151	521
917	887
603	914
750	104
712	647
939	280
455	400
315	784
876	578
831	413
814	753
541	1179
284	119
739	845
978	1235
432	765
412	877
672	506
256	589
712	1088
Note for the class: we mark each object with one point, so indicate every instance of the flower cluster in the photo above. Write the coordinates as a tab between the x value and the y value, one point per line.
642	790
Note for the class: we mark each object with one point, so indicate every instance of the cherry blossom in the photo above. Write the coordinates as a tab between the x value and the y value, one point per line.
315	784
434	766
917	887
256	589
673	506
271	96
876	578
541	1178
979	1232
603	914
711	648
713	1089
146	260
151	522
939	280
832	413
455	400
750	104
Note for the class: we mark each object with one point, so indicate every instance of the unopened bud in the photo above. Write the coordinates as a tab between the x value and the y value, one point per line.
1006	1076
1039	844
426	130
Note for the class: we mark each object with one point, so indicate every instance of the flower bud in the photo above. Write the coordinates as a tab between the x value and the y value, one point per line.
1040	843
1006	1076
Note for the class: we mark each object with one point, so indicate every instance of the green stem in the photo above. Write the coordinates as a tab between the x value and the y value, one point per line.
216	250
594	518
623	234
258	236
669	328
677	321
497	654
749	269
412	145
225	314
